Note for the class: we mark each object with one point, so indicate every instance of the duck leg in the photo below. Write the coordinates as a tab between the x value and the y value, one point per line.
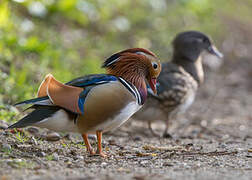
152	131
166	134
88	145
99	145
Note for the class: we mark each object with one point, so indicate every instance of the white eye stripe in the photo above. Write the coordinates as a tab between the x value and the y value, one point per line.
142	53
146	55
139	52
154	64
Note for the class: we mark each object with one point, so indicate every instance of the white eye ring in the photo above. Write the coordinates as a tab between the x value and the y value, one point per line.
154	65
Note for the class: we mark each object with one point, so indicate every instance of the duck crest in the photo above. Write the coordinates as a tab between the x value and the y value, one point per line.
137	51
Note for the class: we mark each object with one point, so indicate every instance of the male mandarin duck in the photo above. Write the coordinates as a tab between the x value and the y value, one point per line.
95	103
179	79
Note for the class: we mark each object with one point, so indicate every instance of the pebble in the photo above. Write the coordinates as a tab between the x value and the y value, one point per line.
41	154
55	157
226	136
53	136
18	160
3	126
103	164
33	130
222	145
137	138
144	162
167	164
80	157
6	147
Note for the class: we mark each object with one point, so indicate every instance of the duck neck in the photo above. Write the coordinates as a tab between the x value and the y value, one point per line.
133	72
192	66
139	82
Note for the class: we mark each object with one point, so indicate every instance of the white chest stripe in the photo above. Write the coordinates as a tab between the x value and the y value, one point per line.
132	89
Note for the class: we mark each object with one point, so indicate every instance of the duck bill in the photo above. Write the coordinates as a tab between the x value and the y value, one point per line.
213	50
152	83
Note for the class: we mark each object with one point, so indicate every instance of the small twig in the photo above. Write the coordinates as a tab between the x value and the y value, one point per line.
214	153
169	148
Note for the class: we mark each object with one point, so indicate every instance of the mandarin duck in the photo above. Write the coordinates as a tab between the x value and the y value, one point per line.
96	103
178	80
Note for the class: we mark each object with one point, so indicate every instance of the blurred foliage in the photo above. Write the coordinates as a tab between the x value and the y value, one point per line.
70	38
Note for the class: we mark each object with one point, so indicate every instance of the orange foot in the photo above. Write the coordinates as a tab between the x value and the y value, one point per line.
102	154
92	152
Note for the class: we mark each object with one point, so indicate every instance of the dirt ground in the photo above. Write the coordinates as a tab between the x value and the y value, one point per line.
211	141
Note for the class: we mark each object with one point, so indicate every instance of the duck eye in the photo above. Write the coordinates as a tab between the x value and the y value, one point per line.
154	65
205	40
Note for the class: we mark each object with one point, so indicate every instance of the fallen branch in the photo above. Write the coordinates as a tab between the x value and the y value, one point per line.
169	148
214	153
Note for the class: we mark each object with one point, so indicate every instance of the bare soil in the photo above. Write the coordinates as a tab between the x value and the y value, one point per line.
212	141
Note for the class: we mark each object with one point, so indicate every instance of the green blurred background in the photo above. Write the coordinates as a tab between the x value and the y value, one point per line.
70	38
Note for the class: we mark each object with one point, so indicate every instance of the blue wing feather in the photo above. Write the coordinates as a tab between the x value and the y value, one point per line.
93	79
82	98
88	82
